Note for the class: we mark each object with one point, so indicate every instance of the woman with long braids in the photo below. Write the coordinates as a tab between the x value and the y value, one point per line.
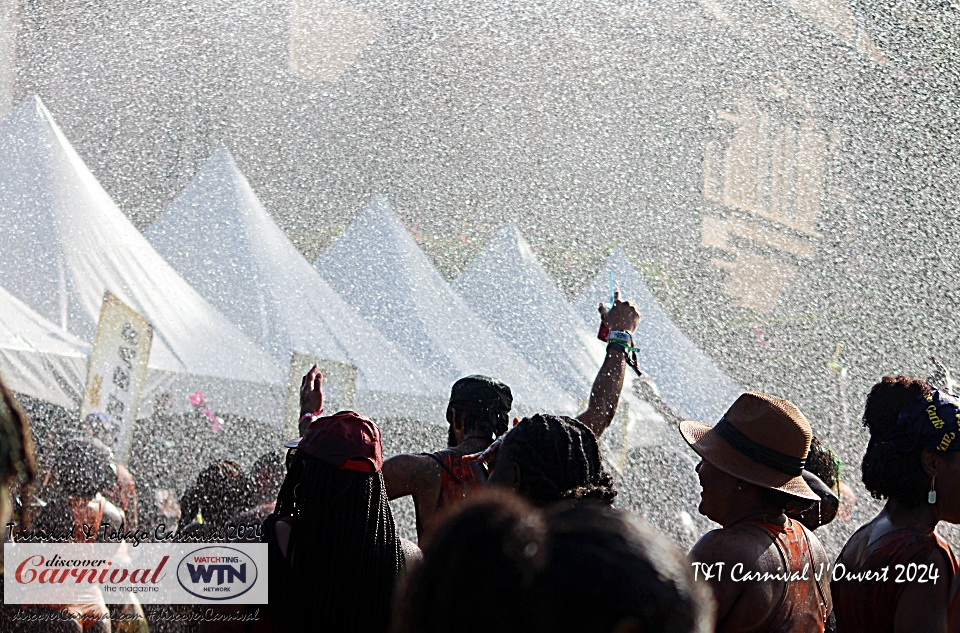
911	461
334	551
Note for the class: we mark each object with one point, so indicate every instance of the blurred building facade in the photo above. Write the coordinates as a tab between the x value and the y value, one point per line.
762	154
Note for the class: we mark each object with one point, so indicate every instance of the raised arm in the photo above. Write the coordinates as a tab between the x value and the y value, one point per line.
605	394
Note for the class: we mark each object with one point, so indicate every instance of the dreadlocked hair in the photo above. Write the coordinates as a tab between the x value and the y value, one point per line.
888	473
222	490
559	459
344	554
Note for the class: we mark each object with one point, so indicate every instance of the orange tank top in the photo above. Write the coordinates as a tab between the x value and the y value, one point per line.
871	605
802	607
457	478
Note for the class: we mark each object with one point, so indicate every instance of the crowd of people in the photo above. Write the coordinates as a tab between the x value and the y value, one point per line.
517	523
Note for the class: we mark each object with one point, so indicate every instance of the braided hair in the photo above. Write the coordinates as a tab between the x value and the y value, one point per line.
559	459
344	555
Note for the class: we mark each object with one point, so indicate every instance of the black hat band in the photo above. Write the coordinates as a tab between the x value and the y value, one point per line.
781	462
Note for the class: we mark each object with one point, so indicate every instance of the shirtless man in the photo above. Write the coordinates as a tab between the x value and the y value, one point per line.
478	412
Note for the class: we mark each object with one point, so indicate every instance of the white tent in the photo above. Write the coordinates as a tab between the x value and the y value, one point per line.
685	377
63	242
517	299
217	235
39	359
407	301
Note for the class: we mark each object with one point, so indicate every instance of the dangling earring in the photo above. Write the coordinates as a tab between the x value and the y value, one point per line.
740	487
932	495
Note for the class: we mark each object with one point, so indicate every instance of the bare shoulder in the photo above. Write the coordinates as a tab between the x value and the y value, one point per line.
924	603
723	556
407	474
856	545
729	544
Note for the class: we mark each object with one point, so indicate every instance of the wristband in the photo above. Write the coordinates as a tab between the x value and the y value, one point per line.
309	418
621	338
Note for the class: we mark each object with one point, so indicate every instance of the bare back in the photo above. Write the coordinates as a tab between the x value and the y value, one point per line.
870	600
432	481
768	579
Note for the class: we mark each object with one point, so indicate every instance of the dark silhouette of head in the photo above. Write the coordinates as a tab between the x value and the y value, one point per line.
887	472
491	548
222	490
17	463
610	571
584	569
548	458
84	467
479	405
266	475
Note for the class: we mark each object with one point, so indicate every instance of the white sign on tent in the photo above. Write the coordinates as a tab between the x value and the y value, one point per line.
118	368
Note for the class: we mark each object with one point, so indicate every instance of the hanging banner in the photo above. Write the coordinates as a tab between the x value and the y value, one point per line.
118	369
339	388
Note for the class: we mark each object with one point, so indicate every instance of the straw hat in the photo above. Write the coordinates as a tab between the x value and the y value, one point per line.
761	440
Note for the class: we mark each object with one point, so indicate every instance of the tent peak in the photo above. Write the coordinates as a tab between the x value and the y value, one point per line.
510	231
508	238
221	153
220	159
379	206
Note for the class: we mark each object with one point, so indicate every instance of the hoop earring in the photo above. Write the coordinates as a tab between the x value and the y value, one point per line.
932	495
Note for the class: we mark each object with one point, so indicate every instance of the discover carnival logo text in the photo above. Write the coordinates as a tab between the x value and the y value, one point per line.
69	573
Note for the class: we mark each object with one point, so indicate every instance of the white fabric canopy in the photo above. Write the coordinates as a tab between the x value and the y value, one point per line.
516	298
63	243
685	376
39	359
407	301
217	235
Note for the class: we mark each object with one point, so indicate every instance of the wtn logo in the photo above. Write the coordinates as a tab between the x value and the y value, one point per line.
217	573
204	573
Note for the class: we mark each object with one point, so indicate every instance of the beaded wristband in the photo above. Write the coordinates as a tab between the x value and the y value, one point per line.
309	417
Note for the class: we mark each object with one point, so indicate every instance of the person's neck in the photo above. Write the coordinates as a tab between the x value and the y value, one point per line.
925	515
474	443
753	512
